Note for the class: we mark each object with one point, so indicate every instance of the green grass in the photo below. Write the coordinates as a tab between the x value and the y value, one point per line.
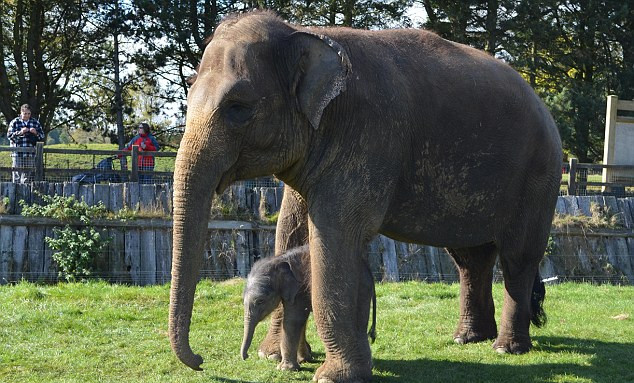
106	333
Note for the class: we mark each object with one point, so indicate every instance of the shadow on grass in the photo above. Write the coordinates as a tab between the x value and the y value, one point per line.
608	363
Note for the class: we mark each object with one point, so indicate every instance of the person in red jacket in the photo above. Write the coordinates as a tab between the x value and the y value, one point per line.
146	143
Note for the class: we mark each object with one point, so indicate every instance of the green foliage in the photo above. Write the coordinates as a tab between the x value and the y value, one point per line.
4	205
75	247
96	332
75	250
65	209
271	219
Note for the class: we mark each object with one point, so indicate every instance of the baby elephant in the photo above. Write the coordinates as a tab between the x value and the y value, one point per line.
286	279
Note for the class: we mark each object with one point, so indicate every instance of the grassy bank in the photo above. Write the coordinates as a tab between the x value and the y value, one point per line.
104	333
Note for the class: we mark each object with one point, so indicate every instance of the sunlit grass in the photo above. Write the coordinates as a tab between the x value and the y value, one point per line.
107	333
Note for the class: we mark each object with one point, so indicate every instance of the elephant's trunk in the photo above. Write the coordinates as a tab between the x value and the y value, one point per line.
249	329
193	190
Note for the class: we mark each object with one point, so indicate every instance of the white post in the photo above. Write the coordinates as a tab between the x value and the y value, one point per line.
608	145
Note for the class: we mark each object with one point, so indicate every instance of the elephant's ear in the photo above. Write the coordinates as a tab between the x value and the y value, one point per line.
320	74
288	284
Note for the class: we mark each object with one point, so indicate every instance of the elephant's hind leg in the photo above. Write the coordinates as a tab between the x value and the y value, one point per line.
477	313
520	254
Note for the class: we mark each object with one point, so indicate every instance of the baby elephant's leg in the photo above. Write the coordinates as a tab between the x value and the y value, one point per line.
292	330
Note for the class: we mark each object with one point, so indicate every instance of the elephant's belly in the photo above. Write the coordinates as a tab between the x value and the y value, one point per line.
441	227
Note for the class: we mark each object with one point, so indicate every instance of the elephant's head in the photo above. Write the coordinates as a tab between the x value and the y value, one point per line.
258	97
269	282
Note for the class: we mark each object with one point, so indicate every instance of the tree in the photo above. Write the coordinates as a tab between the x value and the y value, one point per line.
42	46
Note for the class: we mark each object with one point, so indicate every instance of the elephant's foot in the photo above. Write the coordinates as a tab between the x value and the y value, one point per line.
304	353
336	371
466	334
507	345
272	356
270	349
287	365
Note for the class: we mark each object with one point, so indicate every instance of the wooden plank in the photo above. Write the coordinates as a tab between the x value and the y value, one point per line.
434	263
38	189
8	191
243	264
584	205
101	261
116	197
390	262
59	188
117	256
20	255
624	211
611	204
22	192
36	253
560	208
87	194
133	255
163	198
71	189
625	105
6	253
209	259
629	260
163	255
131	194
570	202
148	257
102	193
147	197
49	268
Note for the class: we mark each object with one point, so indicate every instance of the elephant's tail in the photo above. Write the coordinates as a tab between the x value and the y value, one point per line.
538	316
372	332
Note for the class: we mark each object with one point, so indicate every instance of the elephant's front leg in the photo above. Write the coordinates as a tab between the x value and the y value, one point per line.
340	307
291	232
295	318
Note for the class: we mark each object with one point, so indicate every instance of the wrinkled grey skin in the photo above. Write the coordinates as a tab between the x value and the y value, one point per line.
396	132
284	279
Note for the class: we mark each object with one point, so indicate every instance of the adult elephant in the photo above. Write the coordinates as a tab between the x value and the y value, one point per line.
397	132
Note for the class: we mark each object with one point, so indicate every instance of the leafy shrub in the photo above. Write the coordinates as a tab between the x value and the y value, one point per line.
75	250
75	247
66	209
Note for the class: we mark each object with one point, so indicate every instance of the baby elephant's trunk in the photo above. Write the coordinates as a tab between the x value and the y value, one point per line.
249	329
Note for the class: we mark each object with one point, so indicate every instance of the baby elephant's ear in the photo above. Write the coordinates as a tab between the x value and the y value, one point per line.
320	73
288	283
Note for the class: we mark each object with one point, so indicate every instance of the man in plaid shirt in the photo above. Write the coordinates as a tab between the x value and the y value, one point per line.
24	131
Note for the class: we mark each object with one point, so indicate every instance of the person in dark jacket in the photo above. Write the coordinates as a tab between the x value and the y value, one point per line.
24	131
146	143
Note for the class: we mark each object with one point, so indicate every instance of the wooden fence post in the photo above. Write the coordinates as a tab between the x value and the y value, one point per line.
572	174
39	161
134	175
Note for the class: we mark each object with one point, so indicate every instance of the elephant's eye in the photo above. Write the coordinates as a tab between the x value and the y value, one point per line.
238	113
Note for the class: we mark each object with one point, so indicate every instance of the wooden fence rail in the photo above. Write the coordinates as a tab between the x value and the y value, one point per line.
578	183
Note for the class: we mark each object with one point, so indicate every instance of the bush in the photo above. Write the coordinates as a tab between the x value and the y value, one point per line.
75	247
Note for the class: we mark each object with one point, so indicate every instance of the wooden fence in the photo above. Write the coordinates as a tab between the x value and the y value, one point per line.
580	179
41	172
140	250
